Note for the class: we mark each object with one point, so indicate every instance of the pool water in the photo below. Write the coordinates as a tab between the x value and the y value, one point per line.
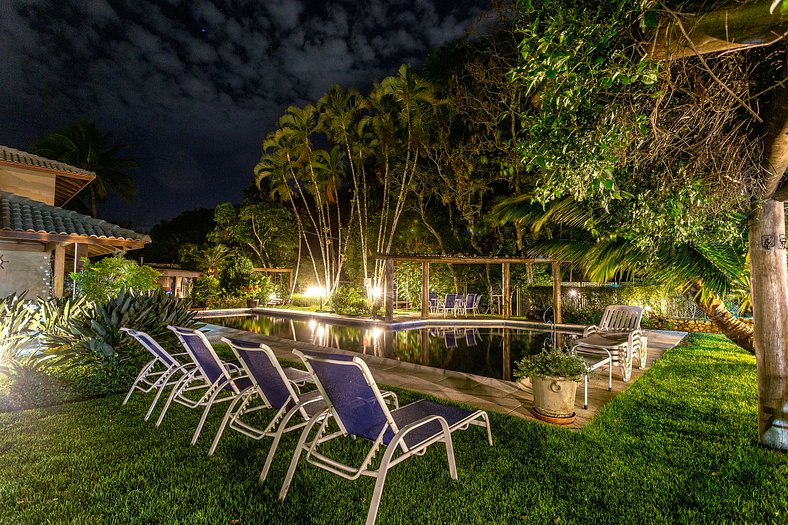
488	351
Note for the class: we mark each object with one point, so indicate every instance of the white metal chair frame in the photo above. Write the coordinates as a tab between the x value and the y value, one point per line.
157	374
479	418
304	405
617	339
212	394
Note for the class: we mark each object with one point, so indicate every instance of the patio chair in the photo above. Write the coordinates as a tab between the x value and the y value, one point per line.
466	305
616	339
476	302
219	381
449	304
356	406
160	372
433	302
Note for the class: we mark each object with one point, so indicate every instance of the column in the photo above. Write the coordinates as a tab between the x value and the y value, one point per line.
425	290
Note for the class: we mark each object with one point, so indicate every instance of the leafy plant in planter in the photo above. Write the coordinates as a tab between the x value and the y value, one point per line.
554	376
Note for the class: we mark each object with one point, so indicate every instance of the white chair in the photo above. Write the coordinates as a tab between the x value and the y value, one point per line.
357	407
160	372
616	338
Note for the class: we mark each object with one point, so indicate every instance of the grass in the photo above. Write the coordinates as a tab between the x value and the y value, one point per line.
679	446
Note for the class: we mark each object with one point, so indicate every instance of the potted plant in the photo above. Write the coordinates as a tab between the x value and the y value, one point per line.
554	376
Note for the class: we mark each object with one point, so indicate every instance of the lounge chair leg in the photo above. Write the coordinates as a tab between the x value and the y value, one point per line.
230	413
372	513
208	406
585	391
297	455
277	437
610	377
180	384
142	374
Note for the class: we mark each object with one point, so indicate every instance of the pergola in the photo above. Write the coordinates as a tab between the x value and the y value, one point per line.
391	259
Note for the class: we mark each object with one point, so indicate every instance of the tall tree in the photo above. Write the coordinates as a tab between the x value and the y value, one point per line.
311	176
85	146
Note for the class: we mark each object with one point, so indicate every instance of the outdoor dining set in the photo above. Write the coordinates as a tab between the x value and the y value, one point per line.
455	304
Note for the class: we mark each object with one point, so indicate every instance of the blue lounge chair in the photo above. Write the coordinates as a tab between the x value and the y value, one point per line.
356	405
160	372
218	381
274	387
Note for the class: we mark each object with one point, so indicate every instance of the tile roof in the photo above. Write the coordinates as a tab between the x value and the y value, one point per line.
26	215
28	159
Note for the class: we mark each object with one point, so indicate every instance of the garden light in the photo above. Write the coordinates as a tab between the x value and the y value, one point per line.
316	291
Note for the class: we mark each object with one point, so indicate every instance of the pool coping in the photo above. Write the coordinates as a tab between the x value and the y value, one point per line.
364	322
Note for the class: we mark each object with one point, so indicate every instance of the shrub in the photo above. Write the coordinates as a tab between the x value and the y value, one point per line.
302	300
97	339
259	287
16	316
237	274
206	290
349	300
106	278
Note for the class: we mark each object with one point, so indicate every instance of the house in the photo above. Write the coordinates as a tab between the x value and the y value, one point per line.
37	236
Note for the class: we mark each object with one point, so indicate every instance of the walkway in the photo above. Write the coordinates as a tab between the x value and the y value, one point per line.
487	393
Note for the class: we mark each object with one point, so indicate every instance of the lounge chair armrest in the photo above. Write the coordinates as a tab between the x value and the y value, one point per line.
590	330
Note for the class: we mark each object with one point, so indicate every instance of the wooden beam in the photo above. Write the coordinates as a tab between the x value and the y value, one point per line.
60	270
440	259
388	278
507	307
557	293
738	25
425	290
7	235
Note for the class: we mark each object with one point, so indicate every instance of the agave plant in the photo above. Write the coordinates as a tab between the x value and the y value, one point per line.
16	316
55	313
97	338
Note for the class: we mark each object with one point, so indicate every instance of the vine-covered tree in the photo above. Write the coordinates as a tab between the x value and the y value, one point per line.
677	151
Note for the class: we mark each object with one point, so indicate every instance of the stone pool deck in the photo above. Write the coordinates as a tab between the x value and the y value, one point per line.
486	393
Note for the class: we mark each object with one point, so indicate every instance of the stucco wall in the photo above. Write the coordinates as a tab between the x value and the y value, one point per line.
25	271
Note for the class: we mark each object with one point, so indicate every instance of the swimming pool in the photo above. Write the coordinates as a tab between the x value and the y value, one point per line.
488	351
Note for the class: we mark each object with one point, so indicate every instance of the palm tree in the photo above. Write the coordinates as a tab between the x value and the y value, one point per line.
705	272
400	106
84	146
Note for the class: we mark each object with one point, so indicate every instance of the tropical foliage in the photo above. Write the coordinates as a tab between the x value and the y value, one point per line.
97	339
105	278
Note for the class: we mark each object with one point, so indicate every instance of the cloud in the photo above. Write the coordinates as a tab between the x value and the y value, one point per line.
193	87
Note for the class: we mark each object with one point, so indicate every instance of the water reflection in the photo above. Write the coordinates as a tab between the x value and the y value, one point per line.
490	352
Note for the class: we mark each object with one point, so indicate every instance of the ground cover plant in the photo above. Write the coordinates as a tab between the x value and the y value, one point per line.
679	446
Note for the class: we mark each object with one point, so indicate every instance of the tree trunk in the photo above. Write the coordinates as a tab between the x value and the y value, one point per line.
769	288
726	27
734	329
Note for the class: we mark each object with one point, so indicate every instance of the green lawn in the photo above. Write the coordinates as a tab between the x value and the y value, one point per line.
679	446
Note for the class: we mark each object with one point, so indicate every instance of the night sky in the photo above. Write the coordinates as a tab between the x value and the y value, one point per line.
192	87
